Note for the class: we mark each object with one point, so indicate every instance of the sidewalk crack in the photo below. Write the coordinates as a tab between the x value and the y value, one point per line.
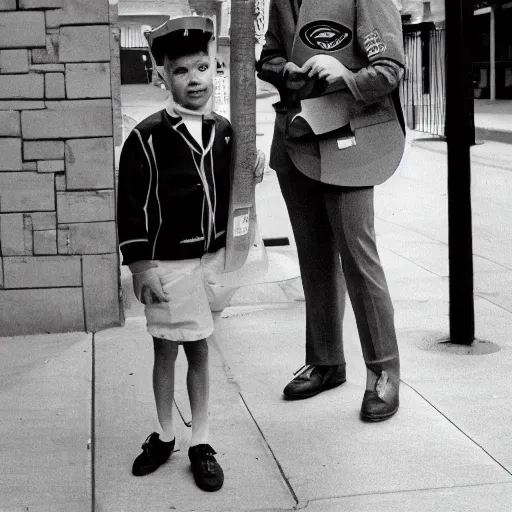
425	235
480	296
458	428
93	422
405	491
414	263
285	478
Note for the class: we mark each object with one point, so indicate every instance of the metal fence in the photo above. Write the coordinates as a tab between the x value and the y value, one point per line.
423	88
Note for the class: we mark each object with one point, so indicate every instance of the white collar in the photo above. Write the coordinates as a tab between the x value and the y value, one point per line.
176	110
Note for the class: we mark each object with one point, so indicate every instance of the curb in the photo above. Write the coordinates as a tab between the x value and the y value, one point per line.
504	136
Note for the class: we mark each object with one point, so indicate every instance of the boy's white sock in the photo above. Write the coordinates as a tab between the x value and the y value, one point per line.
167	433
166	437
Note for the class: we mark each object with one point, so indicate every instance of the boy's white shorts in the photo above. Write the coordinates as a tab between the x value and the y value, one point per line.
193	295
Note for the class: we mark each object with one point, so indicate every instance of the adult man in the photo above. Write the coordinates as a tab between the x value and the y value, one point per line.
325	53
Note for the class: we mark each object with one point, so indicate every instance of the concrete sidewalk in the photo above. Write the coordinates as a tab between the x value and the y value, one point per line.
448	449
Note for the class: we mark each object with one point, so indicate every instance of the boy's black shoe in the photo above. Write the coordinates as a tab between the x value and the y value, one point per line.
206	470
154	453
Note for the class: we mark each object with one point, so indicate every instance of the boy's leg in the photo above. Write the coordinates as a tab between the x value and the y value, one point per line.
163	384
207	472
198	386
157	449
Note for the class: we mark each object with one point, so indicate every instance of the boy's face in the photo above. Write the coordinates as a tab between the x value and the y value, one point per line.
190	79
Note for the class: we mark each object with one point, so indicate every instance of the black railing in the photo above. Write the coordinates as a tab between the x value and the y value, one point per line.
424	85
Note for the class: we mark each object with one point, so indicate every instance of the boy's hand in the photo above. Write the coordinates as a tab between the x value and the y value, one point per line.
259	166
147	287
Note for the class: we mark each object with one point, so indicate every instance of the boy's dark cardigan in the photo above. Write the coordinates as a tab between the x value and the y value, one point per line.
162	207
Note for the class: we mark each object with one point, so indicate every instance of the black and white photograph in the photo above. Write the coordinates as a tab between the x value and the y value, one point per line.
256	255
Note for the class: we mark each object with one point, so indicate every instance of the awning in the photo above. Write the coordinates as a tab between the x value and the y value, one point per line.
132	37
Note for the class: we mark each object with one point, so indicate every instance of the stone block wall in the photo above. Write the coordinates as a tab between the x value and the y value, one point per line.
59	265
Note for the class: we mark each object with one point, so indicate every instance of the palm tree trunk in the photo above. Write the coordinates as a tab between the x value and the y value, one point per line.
243	119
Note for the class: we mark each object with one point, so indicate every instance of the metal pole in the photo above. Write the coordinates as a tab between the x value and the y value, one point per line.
492	57
459	88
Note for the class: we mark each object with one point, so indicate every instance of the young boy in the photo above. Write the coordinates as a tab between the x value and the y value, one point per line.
173	199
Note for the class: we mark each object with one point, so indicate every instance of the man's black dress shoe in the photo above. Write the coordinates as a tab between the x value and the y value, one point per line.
382	402
313	380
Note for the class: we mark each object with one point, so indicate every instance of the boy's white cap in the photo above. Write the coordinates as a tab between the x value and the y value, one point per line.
169	32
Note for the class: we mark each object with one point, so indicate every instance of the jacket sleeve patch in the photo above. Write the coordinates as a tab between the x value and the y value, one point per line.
373	44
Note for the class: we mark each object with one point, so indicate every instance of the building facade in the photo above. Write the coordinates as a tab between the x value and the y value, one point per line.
492	49
59	265
423	87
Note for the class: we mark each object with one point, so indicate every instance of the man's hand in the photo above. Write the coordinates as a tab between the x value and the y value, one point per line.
259	166
294	77
147	287
324	67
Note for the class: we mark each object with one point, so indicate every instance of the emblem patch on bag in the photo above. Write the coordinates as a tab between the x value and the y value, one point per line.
373	44
328	36
241	225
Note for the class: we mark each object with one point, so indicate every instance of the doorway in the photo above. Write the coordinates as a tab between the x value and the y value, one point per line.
135	67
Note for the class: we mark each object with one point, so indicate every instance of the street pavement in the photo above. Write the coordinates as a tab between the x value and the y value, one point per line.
82	404
493	120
